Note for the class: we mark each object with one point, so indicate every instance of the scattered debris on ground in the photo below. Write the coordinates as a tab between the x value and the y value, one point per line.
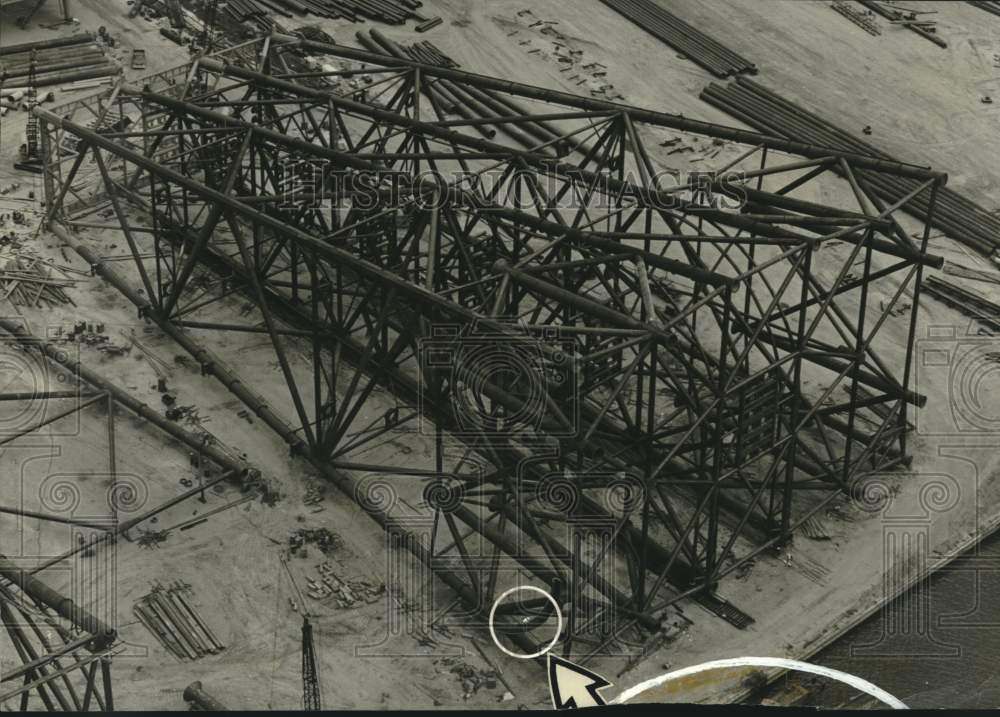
152	538
28	280
327	586
326	540
540	37
314	495
471	678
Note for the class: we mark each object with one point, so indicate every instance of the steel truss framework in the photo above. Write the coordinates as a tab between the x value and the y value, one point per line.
66	644
58	666
696	368
59	644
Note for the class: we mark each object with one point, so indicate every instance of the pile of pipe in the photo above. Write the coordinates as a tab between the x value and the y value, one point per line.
428	53
908	19
395	12
170	616
246	10
990	6
57	61
768	112
670	29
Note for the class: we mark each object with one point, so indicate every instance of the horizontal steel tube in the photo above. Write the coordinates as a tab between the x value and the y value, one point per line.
46	44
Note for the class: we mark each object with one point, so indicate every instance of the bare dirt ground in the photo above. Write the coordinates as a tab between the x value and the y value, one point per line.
924	106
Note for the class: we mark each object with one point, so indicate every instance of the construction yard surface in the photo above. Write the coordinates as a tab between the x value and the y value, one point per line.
284	541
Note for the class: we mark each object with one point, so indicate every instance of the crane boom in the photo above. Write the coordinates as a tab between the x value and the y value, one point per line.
311	698
31	151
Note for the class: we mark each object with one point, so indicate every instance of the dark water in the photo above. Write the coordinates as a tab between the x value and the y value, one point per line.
938	646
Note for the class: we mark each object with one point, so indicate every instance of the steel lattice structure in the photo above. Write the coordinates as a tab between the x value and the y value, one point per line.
64	651
65	645
668	362
58	645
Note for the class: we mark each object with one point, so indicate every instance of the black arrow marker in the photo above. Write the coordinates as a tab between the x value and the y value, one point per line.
572	686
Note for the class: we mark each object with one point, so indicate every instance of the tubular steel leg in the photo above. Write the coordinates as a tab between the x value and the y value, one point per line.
109	702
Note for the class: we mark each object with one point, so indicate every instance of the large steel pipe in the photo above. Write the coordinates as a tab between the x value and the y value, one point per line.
46	44
61	78
104	634
195	693
84	60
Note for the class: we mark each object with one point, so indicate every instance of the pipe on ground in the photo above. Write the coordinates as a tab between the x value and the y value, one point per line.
196	694
47	44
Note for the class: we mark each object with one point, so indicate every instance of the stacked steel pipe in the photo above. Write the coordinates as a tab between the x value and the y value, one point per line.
906	20
248	10
423	51
427	52
969	303
670	29
55	43
169	616
857	17
770	113
57	61
990	6
394	12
